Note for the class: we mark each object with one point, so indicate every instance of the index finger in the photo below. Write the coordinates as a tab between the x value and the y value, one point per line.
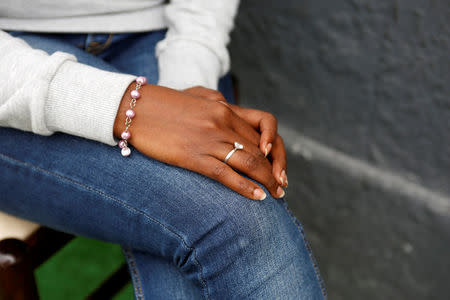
265	122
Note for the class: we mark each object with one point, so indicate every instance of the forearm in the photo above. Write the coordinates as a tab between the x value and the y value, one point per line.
25	76
45	93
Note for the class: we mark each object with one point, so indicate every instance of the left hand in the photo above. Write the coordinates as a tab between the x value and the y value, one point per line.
264	125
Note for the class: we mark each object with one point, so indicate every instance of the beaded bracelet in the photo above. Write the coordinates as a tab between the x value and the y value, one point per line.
123	144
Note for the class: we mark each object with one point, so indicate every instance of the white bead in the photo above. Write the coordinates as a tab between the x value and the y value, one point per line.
126	151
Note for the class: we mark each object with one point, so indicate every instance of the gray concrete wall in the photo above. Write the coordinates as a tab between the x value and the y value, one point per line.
362	92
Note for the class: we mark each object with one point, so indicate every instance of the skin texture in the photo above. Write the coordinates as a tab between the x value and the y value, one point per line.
196	128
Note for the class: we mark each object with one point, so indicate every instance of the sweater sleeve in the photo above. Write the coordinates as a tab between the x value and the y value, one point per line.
45	93
194	51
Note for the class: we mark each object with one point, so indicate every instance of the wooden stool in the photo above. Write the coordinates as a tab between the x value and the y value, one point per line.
24	246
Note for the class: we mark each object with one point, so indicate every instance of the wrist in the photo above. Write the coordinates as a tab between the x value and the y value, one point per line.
129	114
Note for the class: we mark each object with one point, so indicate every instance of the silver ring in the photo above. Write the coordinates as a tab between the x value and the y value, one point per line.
237	146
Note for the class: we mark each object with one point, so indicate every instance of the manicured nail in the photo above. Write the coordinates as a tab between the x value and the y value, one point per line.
259	194
268	148
283	178
280	192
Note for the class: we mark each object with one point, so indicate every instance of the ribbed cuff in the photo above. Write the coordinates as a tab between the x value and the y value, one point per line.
183	64
83	101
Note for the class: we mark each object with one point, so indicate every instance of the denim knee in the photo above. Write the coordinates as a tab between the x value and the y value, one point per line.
237	240
233	228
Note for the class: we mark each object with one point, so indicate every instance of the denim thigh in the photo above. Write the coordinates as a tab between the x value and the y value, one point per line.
211	233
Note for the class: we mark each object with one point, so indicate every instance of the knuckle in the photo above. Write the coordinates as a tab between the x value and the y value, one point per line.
219	171
243	186
270	117
273	184
210	124
222	111
216	95
270	183
260	156
273	118
251	163
280	139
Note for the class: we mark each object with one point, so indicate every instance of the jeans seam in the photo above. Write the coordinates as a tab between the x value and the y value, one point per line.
136	278
308	248
123	204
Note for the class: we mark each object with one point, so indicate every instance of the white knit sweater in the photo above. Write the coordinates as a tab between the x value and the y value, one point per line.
47	93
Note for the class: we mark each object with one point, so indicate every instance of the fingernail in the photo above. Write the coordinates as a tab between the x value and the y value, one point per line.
268	148
280	192
284	178
259	194
281	180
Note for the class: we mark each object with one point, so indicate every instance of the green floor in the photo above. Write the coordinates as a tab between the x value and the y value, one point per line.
78	269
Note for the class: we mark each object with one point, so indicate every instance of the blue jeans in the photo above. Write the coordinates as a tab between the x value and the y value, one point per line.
184	236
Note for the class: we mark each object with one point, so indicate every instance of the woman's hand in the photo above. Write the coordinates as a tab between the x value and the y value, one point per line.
265	123
196	133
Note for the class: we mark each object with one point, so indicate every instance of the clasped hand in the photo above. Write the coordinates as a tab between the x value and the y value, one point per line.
196	128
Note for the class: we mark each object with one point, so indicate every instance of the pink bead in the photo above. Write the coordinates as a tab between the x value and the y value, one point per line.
135	94
130	113
126	135
122	144
125	151
141	80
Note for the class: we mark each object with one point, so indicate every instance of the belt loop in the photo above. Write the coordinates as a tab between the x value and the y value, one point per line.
96	48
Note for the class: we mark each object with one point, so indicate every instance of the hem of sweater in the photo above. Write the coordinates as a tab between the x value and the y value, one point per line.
134	21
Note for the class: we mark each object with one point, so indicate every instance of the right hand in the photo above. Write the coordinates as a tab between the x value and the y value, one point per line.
195	133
